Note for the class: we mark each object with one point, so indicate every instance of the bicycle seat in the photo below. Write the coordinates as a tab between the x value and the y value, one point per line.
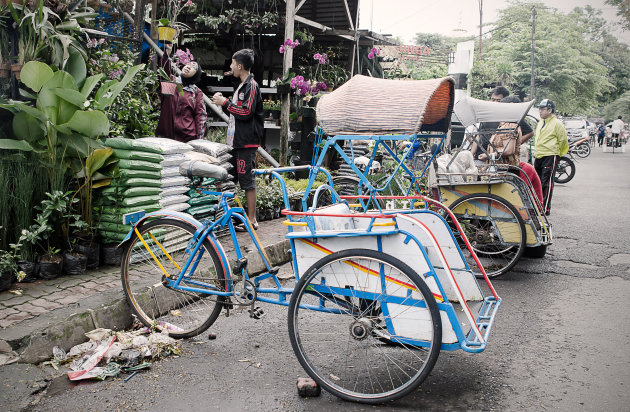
197	168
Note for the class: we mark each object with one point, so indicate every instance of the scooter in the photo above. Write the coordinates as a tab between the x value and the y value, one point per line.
580	146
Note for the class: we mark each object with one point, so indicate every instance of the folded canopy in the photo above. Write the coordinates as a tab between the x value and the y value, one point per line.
369	106
469	111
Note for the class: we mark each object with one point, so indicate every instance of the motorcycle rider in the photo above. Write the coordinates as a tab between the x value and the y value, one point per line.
551	143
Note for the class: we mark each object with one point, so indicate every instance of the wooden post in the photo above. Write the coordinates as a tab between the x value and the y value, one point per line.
287	63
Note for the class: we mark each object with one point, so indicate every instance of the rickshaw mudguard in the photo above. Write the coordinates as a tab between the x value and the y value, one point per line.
137	219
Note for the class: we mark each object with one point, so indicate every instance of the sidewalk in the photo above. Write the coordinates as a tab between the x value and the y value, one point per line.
58	312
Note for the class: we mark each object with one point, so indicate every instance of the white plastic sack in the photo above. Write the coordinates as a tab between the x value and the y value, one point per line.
202	157
171	200
173	160
210	148
177	207
174	190
168	146
173	181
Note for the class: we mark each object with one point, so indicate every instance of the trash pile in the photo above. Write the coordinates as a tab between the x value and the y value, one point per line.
109	353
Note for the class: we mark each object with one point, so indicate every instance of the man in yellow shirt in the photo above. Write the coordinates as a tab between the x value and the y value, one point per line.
551	143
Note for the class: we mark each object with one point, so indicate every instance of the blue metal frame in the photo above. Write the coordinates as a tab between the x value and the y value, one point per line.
204	231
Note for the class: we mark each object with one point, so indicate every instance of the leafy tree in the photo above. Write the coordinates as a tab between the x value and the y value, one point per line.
567	69
623	11
621	106
420	71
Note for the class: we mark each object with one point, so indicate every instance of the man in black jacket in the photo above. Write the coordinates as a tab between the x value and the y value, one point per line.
245	127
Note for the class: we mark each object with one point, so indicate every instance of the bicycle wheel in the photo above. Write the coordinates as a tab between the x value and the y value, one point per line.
184	314
495	230
565	170
344	315
583	150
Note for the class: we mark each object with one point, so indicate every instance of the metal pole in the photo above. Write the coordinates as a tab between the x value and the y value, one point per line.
287	62
531	79
480	25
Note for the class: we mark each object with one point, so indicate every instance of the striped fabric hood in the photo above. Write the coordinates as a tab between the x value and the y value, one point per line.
369	106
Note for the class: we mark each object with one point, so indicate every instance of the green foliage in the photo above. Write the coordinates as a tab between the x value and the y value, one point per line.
217	134
54	218
65	122
568	70
621	106
136	110
427	71
623	10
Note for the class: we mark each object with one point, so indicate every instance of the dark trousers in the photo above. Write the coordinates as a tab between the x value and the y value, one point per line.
600	140
546	170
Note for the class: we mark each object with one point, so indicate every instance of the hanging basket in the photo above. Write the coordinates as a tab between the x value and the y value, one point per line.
168	88
166	33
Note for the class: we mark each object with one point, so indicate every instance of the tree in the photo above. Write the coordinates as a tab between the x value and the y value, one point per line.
621	106
623	11
567	69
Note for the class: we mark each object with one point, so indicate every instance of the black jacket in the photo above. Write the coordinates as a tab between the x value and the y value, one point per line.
248	115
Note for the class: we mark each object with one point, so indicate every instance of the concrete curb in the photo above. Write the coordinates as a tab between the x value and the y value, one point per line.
34	341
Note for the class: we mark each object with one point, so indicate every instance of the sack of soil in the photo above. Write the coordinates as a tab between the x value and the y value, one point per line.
74	263
29	268
92	251
50	267
111	254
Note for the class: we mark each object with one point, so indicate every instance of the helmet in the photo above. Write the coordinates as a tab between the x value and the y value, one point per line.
547	103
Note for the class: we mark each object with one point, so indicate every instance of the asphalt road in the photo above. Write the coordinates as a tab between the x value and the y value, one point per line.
560	341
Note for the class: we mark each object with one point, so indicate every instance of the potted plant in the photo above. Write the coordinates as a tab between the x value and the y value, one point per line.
168	26
273	107
8	269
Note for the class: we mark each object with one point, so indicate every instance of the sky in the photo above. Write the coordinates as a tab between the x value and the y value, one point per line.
405	18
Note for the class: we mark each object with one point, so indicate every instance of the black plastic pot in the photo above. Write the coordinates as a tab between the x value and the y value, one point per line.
30	268
49	269
92	251
74	263
275	114
283	88
6	281
111	254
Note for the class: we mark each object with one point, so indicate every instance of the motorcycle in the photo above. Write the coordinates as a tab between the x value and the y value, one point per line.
565	170
579	146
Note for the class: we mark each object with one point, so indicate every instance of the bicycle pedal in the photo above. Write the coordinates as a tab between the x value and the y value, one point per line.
274	270
240	265
256	313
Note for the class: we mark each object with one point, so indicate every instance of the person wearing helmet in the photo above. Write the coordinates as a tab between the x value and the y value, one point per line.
551	143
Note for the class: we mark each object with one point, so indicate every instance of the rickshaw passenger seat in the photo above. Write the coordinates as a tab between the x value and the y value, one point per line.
333	222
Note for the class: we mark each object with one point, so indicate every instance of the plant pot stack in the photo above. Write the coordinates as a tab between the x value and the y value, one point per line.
203	205
148	180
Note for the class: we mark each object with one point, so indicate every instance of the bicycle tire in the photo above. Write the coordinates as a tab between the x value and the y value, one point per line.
583	150
349	353
184	314
486	238
565	170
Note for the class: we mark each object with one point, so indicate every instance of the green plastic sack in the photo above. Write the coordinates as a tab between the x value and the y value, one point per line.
114	227
115	210
132	144
143	174
131	191
137	182
199	210
139	165
202	200
138	155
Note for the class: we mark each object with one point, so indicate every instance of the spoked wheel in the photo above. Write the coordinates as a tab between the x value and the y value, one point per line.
495	230
183	313
583	150
364	326
565	170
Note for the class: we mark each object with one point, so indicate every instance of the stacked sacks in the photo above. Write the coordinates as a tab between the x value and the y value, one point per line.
148	179
218	154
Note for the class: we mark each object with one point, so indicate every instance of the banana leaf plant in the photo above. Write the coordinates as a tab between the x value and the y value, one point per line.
96	171
66	121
